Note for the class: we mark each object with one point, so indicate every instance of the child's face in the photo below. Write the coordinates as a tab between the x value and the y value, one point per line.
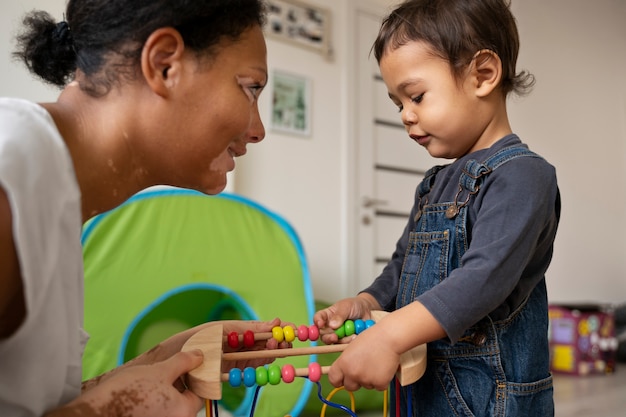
440	112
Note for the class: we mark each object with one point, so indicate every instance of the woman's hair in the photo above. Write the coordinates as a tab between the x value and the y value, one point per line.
104	38
456	30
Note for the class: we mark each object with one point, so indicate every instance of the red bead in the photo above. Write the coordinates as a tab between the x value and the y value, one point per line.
248	338
303	333
315	371
233	340
288	373
314	332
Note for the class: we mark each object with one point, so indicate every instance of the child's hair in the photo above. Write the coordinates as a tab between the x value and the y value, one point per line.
456	30
104	38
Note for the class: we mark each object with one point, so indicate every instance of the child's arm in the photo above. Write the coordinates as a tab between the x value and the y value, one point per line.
372	358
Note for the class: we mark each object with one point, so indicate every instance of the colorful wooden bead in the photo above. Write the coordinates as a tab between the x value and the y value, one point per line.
249	377
341	331
289	333
315	371
234	377
359	326
314	332
248	338
233	340
369	323
261	376
278	334
303	333
349	327
288	373
273	374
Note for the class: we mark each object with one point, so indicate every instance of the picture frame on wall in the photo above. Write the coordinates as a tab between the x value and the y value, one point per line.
291	103
300	24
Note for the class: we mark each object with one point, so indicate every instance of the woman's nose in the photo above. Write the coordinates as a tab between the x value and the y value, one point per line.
256	132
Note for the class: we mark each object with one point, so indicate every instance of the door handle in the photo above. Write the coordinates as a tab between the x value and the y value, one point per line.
373	202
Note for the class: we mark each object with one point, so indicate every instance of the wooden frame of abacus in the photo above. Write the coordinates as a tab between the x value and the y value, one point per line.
206	380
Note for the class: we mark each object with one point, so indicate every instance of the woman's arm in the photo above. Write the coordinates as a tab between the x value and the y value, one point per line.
12	304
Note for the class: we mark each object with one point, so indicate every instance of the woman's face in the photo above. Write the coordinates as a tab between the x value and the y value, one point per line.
215	115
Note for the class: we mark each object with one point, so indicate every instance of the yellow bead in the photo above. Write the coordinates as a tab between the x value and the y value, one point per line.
290	334
277	333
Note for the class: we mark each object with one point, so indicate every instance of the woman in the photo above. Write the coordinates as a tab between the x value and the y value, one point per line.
153	92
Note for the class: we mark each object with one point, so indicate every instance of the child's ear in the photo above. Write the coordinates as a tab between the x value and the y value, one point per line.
486	71
161	59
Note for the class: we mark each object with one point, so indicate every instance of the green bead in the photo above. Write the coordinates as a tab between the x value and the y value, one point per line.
350	328
261	376
341	331
273	374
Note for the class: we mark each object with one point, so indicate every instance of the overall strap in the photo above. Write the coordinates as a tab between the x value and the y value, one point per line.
475	172
429	179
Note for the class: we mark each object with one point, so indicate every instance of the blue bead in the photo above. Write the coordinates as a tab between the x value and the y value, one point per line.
249	377
234	377
369	323
359	326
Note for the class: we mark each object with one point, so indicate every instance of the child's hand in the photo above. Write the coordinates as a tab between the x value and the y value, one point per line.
370	347
333	317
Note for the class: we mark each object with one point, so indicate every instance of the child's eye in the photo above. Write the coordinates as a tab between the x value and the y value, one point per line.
418	99
400	108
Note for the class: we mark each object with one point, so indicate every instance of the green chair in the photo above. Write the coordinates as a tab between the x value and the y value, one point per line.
169	259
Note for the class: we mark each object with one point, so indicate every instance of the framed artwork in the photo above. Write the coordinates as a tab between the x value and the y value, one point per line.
301	24
291	103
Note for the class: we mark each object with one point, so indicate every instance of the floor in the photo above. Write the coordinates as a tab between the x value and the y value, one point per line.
591	396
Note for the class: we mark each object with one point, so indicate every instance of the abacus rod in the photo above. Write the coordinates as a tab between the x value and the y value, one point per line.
283	353
257	336
298	372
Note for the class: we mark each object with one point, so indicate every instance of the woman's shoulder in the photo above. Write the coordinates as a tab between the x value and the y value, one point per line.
27	126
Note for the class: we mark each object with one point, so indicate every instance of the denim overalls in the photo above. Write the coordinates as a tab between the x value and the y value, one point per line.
497	368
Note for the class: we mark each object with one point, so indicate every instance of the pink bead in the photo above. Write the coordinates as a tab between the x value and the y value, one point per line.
315	371
303	333
314	332
288	373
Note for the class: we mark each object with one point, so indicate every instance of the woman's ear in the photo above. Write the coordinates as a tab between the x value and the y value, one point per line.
487	72
161	59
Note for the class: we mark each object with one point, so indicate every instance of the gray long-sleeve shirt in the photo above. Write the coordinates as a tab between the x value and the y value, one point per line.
511	224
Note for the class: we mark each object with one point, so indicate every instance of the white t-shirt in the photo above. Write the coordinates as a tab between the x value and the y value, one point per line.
40	364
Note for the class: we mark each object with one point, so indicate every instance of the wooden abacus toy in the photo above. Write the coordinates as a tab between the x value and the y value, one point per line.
206	380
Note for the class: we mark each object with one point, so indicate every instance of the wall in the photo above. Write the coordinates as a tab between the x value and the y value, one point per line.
576	118
16	81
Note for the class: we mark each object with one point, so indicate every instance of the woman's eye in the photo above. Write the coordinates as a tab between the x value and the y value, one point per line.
255	90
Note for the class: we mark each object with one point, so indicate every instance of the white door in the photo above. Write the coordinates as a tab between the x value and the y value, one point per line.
389	165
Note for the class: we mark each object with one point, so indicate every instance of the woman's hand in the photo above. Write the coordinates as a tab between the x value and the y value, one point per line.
141	391
256	327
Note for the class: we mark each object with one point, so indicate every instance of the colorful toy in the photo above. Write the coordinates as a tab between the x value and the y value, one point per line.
582	339
206	380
